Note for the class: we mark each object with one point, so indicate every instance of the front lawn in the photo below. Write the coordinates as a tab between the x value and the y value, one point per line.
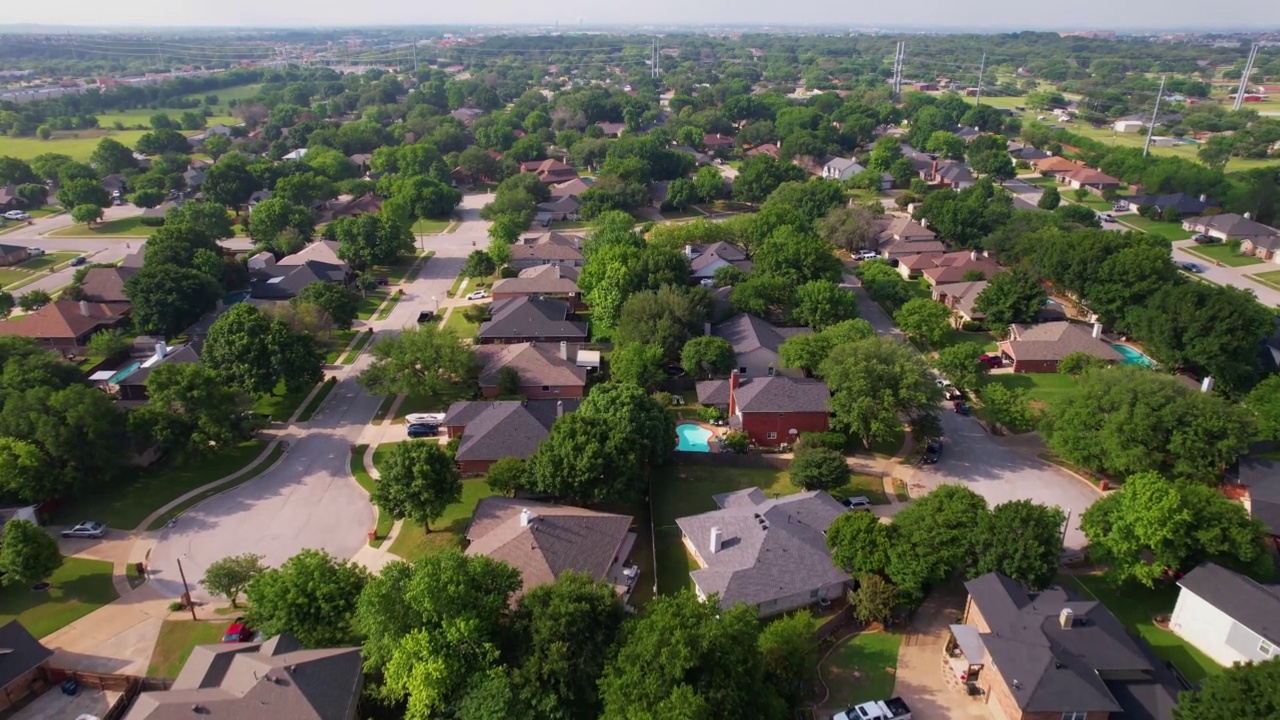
258	468
9	276
1170	231
861	669
460	324
1270	278
176	641
570	224
48	261
954	337
1223	254
124	505
78	588
1041	387
280	404
431	227
1135	606
362	476
369	304
447	530
338	342
124	227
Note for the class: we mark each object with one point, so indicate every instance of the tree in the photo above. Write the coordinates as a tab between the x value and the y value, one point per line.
109	343
884	154
947	144
1021	540
506	476
875	383
44	132
798	257
761	175
418	361
1050	199
312	596
230	182
16	172
1216	152
162	141
28	555
229	576
111	156
1151	524
995	164
371	239
418	482
860	543
24	470
1081	215
639	364
478	265
217	145
508	381
1240	691
83	192
342	305
787	649
1076	363
7	303
818	468
667	317
924	319
812	199
874	600
34	300
709	183
86	214
191	410
191	121
296	358
206	220
1014	296
852	227
1008	406
681	193
934	537
959	364
236	349
1264	402
272	218
148	198
822	303
167	299
707	356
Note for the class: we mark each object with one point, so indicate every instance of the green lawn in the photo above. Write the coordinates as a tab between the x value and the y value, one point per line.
390	305
123	505
9	276
459	323
1040	181
235	92
79	587
570	224
281	404
687	489
954	337
318	399
142	116
861	669
369	304
430	226
446	532
258	468
176	641
1040	387
1170	231
338	342
1223	254
48	261
1271	278
367	482
79	144
354	353
1135	606
124	227
1188	151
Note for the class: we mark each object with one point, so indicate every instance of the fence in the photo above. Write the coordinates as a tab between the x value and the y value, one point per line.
749	460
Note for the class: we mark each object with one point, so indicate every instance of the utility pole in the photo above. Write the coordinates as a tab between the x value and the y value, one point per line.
981	69
899	54
160	54
415	56
1244	77
1156	111
186	591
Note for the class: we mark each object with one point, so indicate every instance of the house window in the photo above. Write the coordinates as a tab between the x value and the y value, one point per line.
1073	715
770	371
813	594
1266	648
742	371
546	388
771	436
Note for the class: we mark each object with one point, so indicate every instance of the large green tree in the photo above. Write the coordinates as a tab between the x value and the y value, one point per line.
28	555
340	304
822	303
707	356
418	361
1022	540
278	225
860	543
312	596
667	317
875	384
371	239
1241	691
229	576
191	410
167	298
819	468
417	483
924	319
237	349
1015	296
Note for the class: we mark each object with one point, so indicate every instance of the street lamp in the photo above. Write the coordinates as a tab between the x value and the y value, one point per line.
435	304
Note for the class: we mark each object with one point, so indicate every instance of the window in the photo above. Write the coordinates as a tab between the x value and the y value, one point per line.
771	436
1073	715
770	371
742	371
813	594
546	388
556	390
1266	648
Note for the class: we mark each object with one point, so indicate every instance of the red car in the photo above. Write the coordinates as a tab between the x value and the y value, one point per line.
991	361
238	632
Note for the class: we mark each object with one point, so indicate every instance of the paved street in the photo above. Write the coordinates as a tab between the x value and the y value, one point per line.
1235	276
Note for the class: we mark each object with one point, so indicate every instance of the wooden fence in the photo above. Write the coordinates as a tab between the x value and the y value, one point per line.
748	460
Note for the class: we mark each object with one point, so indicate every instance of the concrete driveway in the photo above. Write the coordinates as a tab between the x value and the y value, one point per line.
919	678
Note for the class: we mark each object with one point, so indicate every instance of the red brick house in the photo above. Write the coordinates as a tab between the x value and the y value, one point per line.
550	171
771	410
545	369
65	323
491	431
1039	348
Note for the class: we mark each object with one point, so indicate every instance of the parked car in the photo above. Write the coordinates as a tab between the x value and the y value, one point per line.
1202	239
86	529
477	295
423	430
961	407
426	316
991	361
1191	267
858	502
891	709
382	280
77	261
238	632
932	451
866	255
35	252
1107	217
424	418
16	215
1119	207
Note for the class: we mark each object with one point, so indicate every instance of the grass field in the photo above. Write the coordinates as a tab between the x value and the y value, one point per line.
78	588
446	532
861	669
124	227
459	323
1168	230
237	93
369	304
9	276
176	641
280	404
338	342
367	482
48	261
79	144
431	227
1107	136
354	353
1223	254
1040	387
1271	279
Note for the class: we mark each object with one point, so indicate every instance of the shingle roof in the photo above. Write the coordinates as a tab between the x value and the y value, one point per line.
571	188
771	548
1233	225
1089	176
528	317
62	319
954	266
782	394
324	252
506	428
955	173
1054	341
282	282
964	294
705	255
106	284
537	364
1254	606
1182	202
747	333
184	354
904	228
540	279
547	247
19	652
1262	477
841	164
557	539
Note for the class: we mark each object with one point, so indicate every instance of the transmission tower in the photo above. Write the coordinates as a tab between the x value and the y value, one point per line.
981	69
1244	77
899	55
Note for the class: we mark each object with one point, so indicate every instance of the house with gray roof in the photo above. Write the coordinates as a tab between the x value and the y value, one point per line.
106	284
1258	487
1051	654
544	541
558	281
1186	205
267	680
755	343
772	410
551	248
491	431
960	297
1039	348
767	552
1256	239
23	662
704	260
1227	616
838	168
531	319
546	370
131	388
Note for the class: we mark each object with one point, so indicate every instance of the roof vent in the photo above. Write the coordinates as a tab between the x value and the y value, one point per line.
1016	685
1066	618
199	710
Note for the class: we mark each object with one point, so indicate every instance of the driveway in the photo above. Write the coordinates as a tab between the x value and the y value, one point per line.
919	679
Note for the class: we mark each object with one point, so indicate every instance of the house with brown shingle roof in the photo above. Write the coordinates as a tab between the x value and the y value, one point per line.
704	260
546	370
544	541
1088	179
960	297
106	284
771	410
1054	165
550	171
764	149
953	267
570	188
1039	348
65	323
551	248
560	281
902	236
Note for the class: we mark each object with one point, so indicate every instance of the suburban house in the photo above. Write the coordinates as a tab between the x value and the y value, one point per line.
1039	348
491	431
557	208
551	248
1053	165
1186	205
271	279
1129	126
612	129
1052	656
1026	153
764	149
130	382
1258	487
717	143
550	171
116	184
9	198
13	254
467	116
948	173
267	680
770	410
704	260
755	343
545	369
544	541
23	664
294	154
65	324
349	206
1227	616
960	298
767	552
559	281
530	319
841	169
925	87
910	266
1255	238
570	188
194	178
903	236
953	267
106	285
1089	179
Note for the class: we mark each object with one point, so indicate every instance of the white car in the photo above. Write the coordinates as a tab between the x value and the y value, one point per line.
856	503
477	295
16	215
866	255
35	252
424	418
86	529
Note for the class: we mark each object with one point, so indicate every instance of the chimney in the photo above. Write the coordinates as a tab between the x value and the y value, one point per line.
1206	385
717	540
706	328
935	169
559	408
564	350
1097	330
161	350
84	308
733	392
688	251
575	243
973	255
1204	198
525	517
1248	216
1066	617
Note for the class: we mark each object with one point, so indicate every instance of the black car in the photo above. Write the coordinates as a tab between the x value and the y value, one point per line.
77	261
423	431
1202	239
426	315
932	451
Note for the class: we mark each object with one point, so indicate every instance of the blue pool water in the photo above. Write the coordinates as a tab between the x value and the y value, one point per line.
1131	356
124	372
693	438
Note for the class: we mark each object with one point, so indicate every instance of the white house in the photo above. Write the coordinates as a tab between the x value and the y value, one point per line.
841	169
295	154
1227	616
1129	126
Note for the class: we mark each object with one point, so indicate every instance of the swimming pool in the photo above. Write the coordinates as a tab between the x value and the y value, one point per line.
693	438
1131	355
124	372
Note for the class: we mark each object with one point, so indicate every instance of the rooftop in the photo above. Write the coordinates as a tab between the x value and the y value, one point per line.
1249	603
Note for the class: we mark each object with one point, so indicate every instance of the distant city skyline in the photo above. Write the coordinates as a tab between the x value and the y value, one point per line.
978	15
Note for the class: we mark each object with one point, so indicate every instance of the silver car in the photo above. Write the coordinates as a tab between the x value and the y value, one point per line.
86	529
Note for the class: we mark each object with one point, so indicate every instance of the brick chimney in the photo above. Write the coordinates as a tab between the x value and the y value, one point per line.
935	170
733	392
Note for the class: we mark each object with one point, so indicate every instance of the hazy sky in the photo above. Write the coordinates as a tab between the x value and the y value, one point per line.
938	14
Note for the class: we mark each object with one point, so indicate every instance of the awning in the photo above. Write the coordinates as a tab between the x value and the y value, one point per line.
970	643
588	359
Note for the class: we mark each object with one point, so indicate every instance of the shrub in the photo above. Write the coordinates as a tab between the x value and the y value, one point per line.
711	414
737	441
829	440
151	221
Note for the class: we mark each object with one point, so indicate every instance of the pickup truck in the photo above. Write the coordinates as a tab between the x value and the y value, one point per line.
891	709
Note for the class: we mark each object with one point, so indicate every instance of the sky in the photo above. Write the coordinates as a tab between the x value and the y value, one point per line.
940	15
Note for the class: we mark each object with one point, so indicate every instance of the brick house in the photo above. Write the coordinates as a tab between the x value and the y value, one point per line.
550	171
13	254
1053	166
1052	656
1262	241
556	281
954	266
551	248
106	285
24	664
65	324
530	319
546	370
1039	348
960	297
770	410
1089	179
491	431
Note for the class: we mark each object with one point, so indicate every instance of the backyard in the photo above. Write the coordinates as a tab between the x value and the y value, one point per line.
78	588
861	669
1041	387
1222	254
176	641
